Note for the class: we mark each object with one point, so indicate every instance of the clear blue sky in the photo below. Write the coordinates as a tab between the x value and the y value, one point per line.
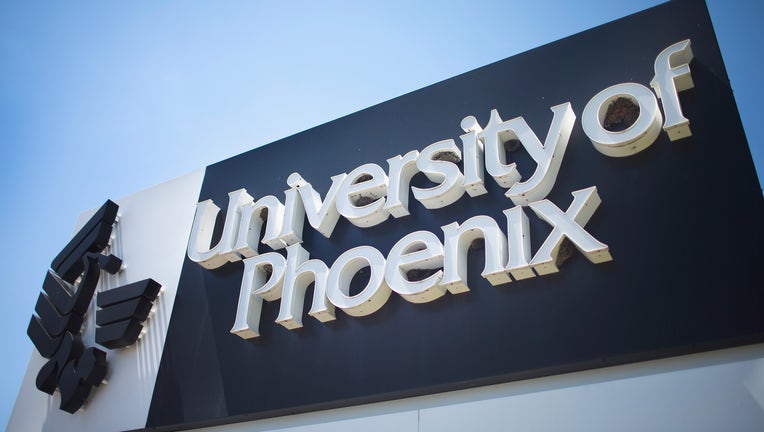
102	99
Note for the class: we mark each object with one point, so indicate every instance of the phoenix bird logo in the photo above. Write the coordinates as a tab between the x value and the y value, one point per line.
68	289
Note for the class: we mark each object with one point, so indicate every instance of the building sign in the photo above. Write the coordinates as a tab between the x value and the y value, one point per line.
588	203
620	121
497	226
69	288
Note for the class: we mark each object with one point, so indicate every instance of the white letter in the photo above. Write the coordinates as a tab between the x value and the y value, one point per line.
201	234
294	218
519	244
401	171
251	223
236	201
361	196
376	292
672	75
420	250
548	156
299	273
322	215
199	249
569	225
459	238
437	162
631	140
474	165
253	282
495	134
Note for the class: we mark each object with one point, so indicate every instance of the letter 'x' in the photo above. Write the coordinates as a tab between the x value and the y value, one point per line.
569	225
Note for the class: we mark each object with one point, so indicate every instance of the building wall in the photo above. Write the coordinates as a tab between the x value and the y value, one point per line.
151	236
664	294
719	390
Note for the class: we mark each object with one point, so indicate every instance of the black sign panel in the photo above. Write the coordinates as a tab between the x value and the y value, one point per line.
682	220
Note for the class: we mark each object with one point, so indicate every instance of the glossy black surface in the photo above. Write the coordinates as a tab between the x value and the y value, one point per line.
92	237
122	312
119	334
147	288
69	288
136	309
